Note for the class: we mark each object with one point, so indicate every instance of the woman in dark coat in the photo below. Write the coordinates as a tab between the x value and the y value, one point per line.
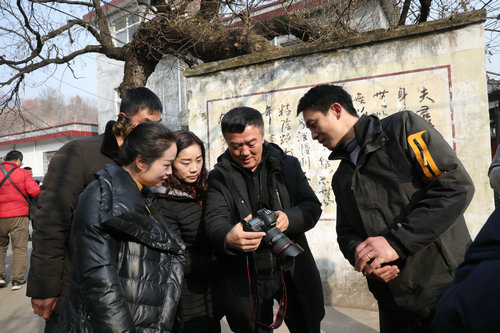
182	205
127	265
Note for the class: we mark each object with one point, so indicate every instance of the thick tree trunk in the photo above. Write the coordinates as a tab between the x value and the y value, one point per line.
136	71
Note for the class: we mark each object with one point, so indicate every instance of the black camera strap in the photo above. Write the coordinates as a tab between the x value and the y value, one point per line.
251	267
280	315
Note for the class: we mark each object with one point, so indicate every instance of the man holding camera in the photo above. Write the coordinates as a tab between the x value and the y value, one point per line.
257	266
401	193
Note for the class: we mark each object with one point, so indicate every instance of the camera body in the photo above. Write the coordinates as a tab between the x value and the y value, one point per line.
265	221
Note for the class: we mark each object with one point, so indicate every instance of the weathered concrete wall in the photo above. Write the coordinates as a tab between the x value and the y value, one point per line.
436	70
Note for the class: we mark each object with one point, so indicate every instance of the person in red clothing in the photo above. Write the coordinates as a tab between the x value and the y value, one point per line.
16	186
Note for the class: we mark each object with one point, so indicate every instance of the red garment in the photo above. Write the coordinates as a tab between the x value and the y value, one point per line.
12	203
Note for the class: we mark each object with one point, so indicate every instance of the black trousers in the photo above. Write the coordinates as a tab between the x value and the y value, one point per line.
238	313
394	321
51	324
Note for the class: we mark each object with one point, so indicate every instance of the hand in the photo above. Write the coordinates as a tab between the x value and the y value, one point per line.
245	241
282	222
375	250
385	273
44	306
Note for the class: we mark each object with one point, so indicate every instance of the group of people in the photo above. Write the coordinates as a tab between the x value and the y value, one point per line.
132	233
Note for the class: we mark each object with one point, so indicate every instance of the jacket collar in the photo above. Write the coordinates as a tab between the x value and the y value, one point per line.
127	214
369	136
109	145
14	164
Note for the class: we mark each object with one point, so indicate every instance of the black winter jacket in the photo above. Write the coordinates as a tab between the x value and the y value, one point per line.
408	186
71	169
472	304
185	216
290	192
127	263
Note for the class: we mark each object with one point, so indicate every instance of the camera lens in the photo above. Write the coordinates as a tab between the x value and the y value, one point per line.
280	244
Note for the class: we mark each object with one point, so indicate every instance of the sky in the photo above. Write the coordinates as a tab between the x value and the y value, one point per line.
62	79
83	80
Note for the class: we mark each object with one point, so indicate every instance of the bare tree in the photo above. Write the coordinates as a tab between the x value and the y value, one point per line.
39	34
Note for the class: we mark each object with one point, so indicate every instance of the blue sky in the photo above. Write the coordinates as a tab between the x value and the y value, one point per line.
62	79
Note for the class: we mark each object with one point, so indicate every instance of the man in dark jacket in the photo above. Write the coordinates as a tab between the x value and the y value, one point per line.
71	169
16	186
401	192
254	174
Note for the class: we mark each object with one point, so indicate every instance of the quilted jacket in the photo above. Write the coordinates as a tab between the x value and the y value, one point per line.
127	265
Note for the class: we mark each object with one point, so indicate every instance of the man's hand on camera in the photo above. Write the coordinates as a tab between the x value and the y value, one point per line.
281	220
245	241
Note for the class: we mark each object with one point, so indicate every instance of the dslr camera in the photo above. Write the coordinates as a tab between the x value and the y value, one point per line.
282	247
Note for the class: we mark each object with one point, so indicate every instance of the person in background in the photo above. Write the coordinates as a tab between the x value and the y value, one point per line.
127	264
30	169
71	169
401	192
16	185
182	203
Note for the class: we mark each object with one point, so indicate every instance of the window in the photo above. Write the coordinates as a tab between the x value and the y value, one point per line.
47	156
124	29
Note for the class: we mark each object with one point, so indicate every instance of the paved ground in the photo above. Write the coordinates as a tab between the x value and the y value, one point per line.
17	316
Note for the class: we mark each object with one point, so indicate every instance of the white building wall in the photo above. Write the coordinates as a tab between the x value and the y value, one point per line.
109	77
167	82
33	152
35	144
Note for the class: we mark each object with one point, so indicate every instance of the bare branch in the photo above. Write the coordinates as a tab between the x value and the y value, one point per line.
80	3
404	12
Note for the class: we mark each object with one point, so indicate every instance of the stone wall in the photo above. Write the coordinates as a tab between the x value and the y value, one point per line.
436	70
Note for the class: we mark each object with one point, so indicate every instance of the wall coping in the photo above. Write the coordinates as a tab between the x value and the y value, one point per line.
371	37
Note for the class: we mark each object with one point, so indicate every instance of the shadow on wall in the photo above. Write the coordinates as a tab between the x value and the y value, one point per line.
343	319
326	269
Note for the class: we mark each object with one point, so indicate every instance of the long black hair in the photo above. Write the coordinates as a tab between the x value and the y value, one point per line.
148	140
183	140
